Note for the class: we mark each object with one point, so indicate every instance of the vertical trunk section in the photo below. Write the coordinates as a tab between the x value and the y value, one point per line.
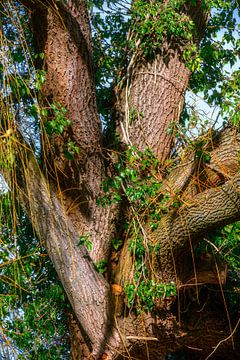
63	35
79	348
153	101
151	96
62	32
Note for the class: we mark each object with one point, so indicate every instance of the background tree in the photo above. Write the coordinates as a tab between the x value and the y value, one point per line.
131	215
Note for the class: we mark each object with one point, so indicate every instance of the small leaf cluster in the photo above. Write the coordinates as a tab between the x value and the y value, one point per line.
117	243
227	241
57	119
201	150
101	266
71	150
146	295
84	240
135	179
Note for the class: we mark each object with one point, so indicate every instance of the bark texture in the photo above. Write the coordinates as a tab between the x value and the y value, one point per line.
62	33
87	290
147	118
151	95
66	194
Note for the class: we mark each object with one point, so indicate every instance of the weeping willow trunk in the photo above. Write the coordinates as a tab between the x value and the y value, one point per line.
101	325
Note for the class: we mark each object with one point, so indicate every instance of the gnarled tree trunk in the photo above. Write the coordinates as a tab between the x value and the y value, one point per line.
101	326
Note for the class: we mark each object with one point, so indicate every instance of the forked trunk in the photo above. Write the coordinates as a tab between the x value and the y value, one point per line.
150	101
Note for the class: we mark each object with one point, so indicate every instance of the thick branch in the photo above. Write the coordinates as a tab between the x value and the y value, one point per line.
86	289
210	209
62	33
192	175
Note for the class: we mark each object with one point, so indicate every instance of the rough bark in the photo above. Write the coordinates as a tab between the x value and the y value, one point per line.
191	176
150	98
209	210
87	290
156	90
167	79
62	33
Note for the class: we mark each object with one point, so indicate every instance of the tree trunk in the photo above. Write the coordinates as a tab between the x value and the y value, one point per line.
62	33
87	290
102	326
150	97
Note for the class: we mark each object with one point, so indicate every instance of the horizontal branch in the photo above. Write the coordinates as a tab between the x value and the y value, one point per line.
223	149
213	207
179	229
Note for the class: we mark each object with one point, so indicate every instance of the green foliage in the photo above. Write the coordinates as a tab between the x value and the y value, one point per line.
57	119
143	292
147	294
40	77
32	301
155	21
117	243
213	76
135	179
101	266
217	78
110	23
224	244
227	240
201	150
84	240
19	81
71	150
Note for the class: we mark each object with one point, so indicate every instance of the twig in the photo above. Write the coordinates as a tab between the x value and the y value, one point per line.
213	245
222	341
130	337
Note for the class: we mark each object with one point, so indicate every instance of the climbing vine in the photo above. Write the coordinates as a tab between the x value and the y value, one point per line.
136	181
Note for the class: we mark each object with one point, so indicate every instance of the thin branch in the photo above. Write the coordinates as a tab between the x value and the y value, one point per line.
224	340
